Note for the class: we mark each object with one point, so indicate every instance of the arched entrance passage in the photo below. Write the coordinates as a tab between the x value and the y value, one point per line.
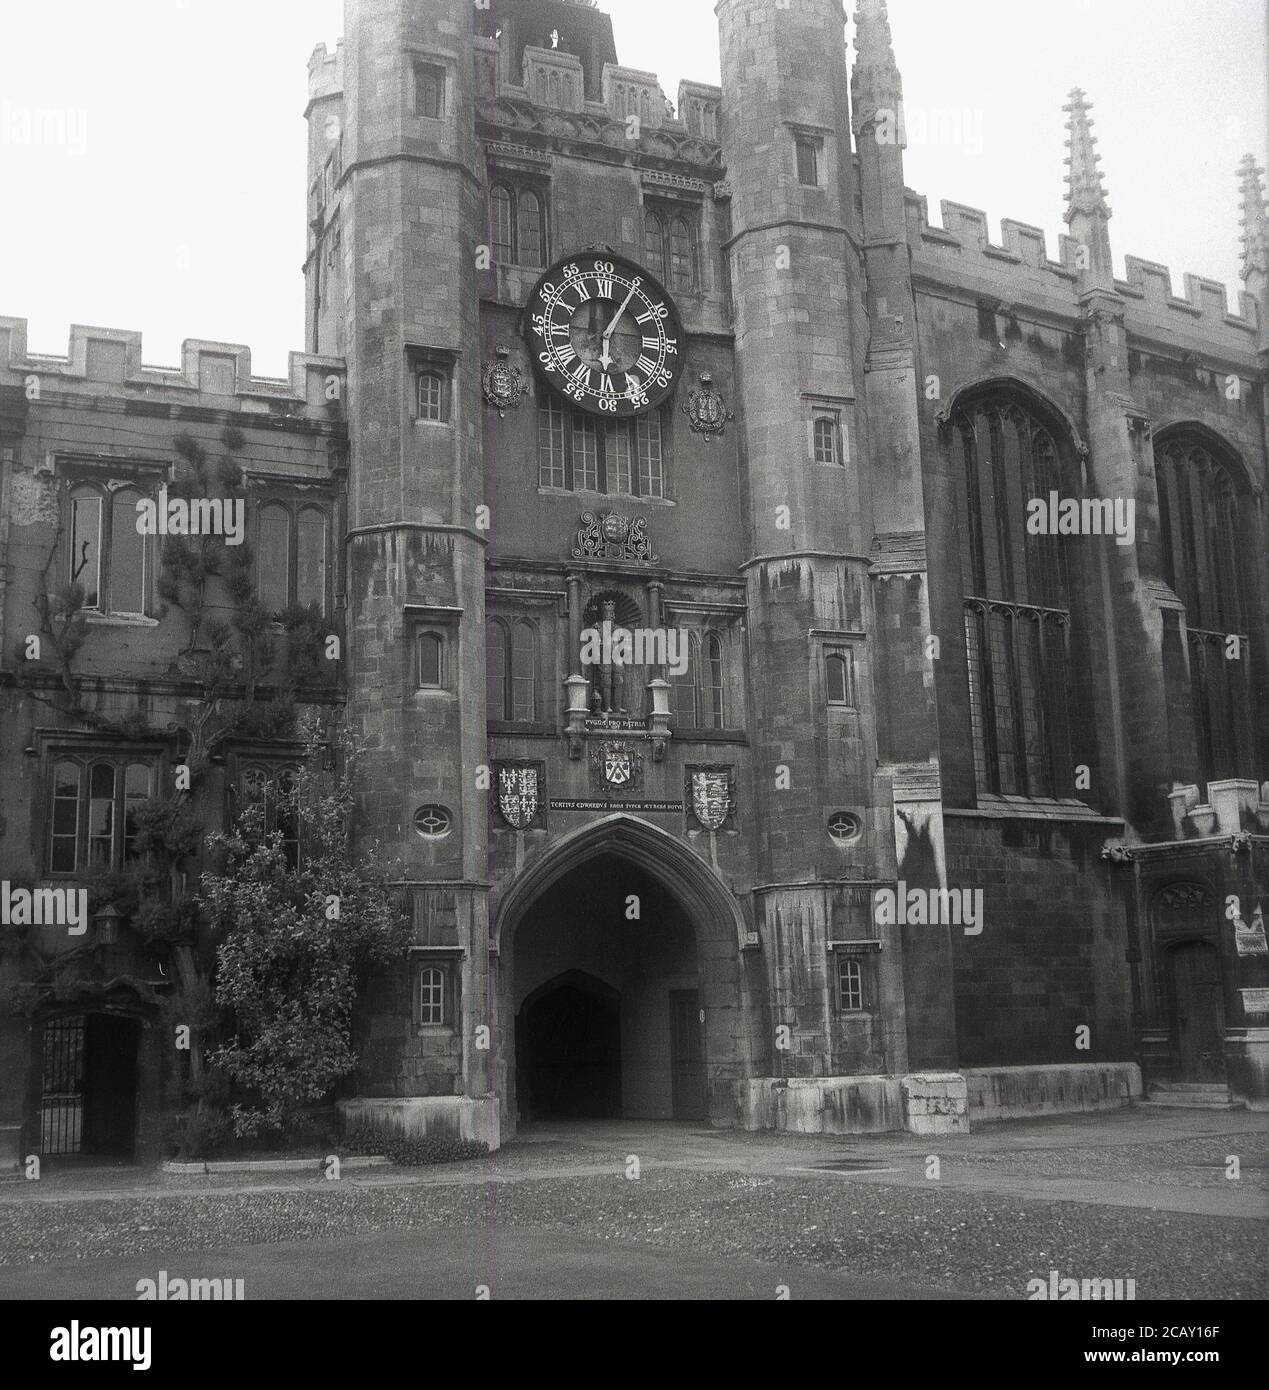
634	910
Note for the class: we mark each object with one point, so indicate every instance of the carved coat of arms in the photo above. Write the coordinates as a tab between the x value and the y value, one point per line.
518	794
503	384
706	410
616	767
713	796
611	536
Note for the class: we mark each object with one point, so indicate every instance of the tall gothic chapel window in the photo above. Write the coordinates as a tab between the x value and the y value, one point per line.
1017	612
1198	525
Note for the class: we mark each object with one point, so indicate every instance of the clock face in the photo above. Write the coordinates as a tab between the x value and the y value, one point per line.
605	334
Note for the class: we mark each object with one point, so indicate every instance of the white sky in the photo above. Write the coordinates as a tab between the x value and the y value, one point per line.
177	207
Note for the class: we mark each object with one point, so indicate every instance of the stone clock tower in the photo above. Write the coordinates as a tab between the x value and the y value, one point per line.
392	274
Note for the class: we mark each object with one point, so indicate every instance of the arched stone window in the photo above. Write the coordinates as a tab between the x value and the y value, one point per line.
700	692
310	558
108	556
1200	496
531	248
429	652
654	244
291	556
502	219
94	804
273	558
686	695
714	681
511	668
682	258
1015	587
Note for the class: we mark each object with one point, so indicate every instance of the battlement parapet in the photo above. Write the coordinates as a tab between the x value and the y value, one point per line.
1022	252
326	72
218	374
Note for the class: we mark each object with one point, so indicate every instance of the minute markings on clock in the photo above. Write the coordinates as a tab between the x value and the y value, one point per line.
606	335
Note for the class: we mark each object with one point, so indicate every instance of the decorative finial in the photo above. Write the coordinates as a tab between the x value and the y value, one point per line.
1085	191
1255	219
875	82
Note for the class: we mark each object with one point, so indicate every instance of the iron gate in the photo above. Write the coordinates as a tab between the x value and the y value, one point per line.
62	1099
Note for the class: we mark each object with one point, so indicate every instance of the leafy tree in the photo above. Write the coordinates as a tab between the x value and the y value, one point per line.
294	944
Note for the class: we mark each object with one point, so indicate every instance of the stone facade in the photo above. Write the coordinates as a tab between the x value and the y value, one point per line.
895	687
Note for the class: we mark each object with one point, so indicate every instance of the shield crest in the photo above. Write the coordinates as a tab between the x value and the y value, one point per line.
518	795
617	768
711	798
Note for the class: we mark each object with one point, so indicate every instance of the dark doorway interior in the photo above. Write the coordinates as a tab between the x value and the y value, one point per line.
568	1050
1198	1017
110	1085
88	1103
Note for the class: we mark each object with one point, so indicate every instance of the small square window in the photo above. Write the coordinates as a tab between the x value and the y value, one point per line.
850	984
432	997
839	676
434	1002
429	91
827	433
431	396
808	156
429	656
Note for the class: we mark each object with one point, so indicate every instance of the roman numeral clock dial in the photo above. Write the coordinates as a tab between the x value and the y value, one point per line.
605	335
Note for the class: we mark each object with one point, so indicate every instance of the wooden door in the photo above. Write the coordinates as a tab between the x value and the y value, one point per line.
687	1054
1198	1025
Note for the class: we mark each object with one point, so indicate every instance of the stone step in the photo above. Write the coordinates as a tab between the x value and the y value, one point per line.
1193	1095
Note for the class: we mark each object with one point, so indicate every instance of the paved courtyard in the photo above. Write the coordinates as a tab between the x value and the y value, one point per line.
634	1209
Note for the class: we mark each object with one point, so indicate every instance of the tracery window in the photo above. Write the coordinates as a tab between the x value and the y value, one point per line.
1199	503
270	785
93	801
517	219
669	247
1017	611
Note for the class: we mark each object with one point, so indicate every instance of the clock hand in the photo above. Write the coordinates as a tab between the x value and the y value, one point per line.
616	318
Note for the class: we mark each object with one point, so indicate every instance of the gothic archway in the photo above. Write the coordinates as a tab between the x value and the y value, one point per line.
633	908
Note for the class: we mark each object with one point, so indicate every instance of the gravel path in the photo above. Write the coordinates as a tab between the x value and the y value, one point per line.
961	1241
